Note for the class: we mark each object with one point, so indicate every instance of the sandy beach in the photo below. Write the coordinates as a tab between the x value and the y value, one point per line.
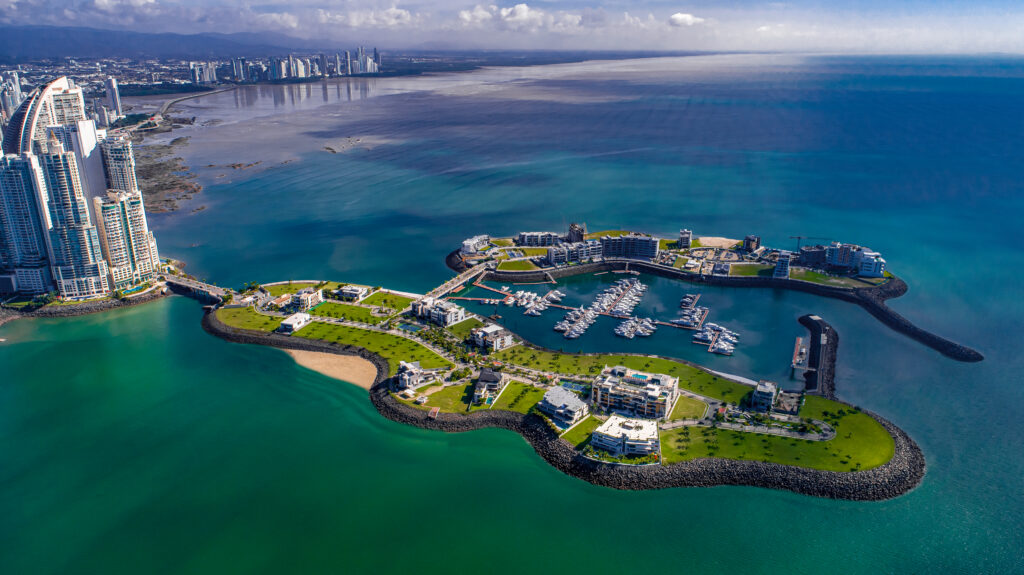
716	242
347	368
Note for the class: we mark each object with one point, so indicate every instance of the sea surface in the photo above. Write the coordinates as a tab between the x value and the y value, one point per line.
133	442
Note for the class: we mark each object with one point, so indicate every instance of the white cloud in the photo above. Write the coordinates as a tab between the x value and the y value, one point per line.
477	15
393	17
680	19
519	18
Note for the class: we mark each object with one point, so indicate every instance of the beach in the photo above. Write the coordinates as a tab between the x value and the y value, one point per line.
348	368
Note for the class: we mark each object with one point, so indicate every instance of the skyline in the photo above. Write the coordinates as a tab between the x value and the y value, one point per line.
866	26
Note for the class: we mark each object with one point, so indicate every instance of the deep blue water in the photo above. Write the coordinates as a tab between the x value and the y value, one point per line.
917	158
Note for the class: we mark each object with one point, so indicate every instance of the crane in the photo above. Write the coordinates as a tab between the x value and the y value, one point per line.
800	238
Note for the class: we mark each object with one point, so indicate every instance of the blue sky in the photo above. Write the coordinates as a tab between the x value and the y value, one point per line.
893	26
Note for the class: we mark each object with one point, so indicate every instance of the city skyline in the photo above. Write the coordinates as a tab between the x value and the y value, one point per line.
801	25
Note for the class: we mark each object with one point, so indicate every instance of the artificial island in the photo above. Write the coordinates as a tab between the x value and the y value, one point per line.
627	421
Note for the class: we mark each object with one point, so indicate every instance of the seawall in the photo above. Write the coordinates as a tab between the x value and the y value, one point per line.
898	476
84	308
871	299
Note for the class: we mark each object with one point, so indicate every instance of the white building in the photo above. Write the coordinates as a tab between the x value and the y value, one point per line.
307	298
114	96
538	239
411	375
24	259
352	292
621	436
488	386
871	265
685	238
574	252
492	337
564	407
764	396
782	265
295	322
125	238
632	246
441	312
623	390
475	244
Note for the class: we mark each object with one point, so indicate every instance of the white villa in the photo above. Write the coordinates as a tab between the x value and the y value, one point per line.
295	322
621	436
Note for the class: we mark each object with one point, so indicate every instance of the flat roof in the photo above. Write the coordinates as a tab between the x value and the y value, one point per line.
632	429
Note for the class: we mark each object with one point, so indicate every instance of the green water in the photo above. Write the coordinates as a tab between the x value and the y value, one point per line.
133	442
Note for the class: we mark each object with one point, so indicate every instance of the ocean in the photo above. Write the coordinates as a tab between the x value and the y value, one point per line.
134	442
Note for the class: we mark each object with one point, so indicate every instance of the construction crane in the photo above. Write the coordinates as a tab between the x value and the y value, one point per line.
800	238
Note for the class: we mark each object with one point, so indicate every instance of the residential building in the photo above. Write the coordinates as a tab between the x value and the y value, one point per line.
763	397
488	386
621	436
492	337
295	322
119	163
24	259
83	139
563	406
114	96
858	259
782	265
411	375
281	301
577	233
475	244
631	246
751	243
307	298
352	292
871	265
441	312
125	238
574	252
641	394
811	257
841	256
685	238
538	239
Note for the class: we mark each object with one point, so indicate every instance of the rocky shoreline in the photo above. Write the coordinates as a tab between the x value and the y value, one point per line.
871	299
901	474
85	308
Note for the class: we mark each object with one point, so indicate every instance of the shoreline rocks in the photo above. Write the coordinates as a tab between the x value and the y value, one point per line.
899	475
84	308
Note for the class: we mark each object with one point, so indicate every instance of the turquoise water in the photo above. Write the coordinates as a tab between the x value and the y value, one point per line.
134	442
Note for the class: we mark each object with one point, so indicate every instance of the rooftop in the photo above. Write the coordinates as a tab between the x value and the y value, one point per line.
631	429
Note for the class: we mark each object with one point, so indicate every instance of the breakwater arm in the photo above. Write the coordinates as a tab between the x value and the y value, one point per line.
871	299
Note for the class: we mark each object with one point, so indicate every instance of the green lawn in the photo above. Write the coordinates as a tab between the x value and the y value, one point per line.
247	318
691	378
688	408
454	399
390	347
502	242
813	276
20	302
519	397
762	270
517	265
581	433
533	252
347	311
664	244
461	330
383	299
281	289
680	262
861	443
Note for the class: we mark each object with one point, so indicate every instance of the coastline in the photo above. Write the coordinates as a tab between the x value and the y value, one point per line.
85	308
901	474
871	300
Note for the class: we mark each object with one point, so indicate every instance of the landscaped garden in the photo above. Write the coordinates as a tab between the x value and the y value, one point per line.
347	311
517	265
691	378
247	318
390	347
461	330
388	300
520	397
688	408
761	270
580	434
861	443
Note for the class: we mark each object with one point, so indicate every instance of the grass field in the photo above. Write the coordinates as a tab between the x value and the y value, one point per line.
861	443
825	279
502	242
691	378
533	252
761	270
247	318
461	330
390	347
454	399
517	265
680	262
395	302
580	434
688	408
664	244
519	397
347	311
281	289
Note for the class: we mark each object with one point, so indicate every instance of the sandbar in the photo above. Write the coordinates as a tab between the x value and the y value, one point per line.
716	242
348	368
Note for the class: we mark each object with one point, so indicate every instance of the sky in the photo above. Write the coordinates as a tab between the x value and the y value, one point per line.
858	26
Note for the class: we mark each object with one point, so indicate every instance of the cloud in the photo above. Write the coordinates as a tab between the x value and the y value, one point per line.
477	15
680	19
522	18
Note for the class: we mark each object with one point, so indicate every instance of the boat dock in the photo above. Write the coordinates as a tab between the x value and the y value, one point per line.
799	360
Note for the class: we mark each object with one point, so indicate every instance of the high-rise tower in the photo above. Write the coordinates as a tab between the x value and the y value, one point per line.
114	96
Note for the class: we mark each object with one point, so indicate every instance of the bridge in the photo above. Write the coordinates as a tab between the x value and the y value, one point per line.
448	286
195	287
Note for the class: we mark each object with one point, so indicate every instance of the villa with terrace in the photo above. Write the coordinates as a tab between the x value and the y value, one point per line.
622	390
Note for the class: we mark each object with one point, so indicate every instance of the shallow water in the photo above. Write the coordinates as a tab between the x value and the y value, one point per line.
134	442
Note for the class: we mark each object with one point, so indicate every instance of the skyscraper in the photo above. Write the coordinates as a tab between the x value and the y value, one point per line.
114	96
24	257
127	242
75	257
119	164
